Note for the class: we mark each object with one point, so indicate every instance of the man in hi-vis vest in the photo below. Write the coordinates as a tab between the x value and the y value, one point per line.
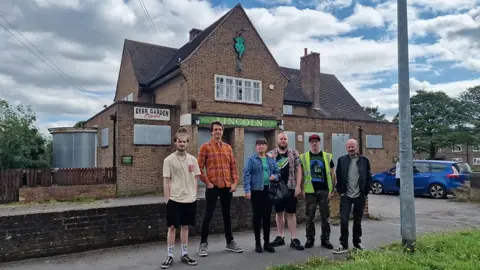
318	179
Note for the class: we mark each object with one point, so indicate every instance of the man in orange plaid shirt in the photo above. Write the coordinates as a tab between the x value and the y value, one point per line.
221	180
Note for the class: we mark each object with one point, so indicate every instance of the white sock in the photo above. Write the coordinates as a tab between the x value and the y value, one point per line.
184	249
170	250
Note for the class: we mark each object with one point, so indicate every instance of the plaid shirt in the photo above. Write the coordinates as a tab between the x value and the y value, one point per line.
293	162
220	163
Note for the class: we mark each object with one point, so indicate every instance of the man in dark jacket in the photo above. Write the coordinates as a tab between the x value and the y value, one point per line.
354	178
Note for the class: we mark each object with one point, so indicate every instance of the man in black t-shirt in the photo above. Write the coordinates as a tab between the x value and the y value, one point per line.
288	162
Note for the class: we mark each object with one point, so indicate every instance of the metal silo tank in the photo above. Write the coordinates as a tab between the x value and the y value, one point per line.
74	147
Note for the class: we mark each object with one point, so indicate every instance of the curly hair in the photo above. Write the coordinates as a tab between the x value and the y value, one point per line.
181	132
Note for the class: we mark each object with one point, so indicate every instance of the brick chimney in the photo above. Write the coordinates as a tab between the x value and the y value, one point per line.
194	32
310	76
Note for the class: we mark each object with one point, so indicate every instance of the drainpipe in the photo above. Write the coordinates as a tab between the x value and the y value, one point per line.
113	117
360	140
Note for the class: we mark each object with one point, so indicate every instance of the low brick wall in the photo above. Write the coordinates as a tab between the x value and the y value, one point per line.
26	236
63	193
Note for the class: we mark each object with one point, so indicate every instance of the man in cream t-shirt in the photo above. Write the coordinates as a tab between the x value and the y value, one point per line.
180	176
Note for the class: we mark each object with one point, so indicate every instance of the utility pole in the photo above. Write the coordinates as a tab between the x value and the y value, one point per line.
407	199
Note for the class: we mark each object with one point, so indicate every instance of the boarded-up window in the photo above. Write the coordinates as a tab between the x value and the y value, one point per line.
152	135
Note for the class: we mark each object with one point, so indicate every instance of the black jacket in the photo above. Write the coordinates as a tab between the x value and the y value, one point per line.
364	171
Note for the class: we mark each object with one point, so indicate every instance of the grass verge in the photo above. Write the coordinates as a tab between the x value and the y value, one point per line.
459	250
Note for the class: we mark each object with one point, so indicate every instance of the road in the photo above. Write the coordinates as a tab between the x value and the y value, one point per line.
432	215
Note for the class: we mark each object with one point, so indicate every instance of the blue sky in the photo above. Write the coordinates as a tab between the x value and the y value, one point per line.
356	40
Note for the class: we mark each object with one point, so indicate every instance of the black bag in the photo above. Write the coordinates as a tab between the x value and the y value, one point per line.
278	192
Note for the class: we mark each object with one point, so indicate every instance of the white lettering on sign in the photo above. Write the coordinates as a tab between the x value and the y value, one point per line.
151	113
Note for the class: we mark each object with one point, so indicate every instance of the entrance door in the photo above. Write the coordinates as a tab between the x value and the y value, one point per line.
249	144
203	137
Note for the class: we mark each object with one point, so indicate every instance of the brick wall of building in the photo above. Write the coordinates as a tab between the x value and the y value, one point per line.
65	193
126	79
380	159
101	121
54	233
217	56
145	173
447	154
173	92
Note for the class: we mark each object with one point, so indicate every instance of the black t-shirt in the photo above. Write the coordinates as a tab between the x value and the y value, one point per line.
283	165
318	172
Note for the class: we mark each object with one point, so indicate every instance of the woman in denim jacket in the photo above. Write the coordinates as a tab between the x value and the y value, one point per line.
259	171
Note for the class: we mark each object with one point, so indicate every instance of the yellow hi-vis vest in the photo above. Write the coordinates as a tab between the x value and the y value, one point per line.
307	176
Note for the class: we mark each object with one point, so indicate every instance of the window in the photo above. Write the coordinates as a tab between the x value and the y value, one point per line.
287	109
238	90
129	97
457	148
152	135
476	161
104	134
374	141
457	159
421	167
476	148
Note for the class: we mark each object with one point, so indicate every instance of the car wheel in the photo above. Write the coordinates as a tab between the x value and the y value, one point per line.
437	191
377	188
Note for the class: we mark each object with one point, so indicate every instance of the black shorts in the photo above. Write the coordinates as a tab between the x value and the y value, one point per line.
181	214
289	205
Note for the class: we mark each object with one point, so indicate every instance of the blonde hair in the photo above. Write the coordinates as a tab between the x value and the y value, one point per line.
181	131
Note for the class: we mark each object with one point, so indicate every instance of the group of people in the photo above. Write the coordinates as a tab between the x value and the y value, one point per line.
312	175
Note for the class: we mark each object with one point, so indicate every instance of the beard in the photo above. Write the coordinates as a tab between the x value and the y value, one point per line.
282	147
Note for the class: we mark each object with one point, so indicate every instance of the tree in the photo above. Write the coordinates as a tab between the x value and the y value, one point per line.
471	105
80	124
375	113
21	144
436	119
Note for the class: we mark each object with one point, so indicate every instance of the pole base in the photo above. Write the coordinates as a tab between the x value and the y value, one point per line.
408	246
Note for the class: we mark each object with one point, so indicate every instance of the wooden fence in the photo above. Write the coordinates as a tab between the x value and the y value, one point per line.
12	180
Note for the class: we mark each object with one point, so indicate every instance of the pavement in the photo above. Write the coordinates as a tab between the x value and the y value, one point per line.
432	215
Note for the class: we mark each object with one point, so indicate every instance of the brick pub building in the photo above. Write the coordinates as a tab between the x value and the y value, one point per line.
212	78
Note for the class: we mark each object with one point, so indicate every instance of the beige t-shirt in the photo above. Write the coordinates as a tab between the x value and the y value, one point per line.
182	177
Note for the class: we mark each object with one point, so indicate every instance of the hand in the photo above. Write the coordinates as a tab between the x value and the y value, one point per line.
298	191
233	188
330	195
272	178
248	196
210	185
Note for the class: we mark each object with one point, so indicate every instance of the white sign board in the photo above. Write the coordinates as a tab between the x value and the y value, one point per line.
151	113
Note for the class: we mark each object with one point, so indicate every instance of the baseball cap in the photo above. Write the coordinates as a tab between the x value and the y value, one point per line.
313	137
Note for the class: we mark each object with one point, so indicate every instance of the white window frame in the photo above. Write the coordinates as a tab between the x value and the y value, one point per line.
287	109
457	159
476	148
230	92
476	161
128	97
457	146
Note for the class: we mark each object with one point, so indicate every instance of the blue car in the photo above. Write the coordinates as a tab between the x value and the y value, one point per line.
437	178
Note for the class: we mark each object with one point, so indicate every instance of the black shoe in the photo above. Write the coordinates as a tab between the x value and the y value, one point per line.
269	248
258	248
358	246
278	241
309	243
167	263
187	260
326	244
296	244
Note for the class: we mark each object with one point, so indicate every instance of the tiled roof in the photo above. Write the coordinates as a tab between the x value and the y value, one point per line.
186	50
335	101
147	59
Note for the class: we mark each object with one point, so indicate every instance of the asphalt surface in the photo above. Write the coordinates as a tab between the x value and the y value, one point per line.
432	215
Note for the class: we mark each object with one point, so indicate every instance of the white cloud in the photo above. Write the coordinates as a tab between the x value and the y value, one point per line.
365	16
333	4
275	2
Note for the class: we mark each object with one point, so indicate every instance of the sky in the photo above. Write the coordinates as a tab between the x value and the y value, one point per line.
78	46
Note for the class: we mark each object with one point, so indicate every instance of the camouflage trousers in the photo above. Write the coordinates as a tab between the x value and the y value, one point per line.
320	198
